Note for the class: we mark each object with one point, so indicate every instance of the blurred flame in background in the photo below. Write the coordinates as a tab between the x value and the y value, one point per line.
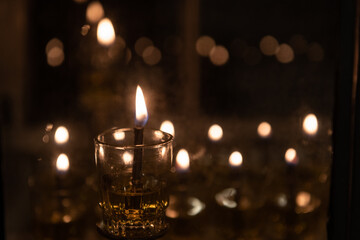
269	45
62	163
291	156
105	32
310	124
94	12
151	55
219	55
285	54
61	135
183	160
235	159
55	52
204	44
215	132
264	130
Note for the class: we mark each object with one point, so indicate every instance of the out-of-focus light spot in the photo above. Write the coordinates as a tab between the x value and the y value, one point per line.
196	206
141	44
315	52
49	127
67	218
215	133
85	29
151	55
299	44
291	156
128	55
62	163
94	12
238	47
105	32
61	135
281	200
252	56
303	199
172	211
226	198
285	54
55	42
219	55
128	158
182	160
173	45
119	135
264	130
269	45
168	126
46	138
235	159
204	45
117	49
310	124
55	57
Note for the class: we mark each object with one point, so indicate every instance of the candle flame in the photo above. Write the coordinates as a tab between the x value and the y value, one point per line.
141	114
183	160
291	156
105	32
215	133
310	124
264	130
168	127
235	159
61	135
62	163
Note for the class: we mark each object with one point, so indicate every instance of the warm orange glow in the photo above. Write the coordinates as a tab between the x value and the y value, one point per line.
219	55
119	135
264	130
54	42
62	163
61	135
168	127
49	127
54	52
105	32
315	52
269	45
303	199
94	12
215	133
182	160
151	55
285	54
291	156
204	44
141	114
128	158
85	29
310	124
235	159
141	44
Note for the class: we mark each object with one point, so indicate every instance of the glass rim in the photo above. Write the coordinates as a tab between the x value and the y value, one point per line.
138	146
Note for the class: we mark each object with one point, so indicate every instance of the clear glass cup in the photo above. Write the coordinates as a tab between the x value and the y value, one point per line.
132	182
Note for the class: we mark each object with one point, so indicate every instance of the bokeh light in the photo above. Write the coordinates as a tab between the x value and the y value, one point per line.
310	124
168	127
54	42
141	44
315	52
303	199
151	55
85	29
219	55
105	32
94	12
204	45
299	44
54	52
61	135
183	160
264	130
291	156
215	133
235	159
269	45
285	54
62	163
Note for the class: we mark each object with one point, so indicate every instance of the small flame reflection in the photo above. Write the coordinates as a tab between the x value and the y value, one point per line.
264	130
128	158
226	198
105	32
310	124
215	133
291	156
269	45
168	127
303	199
219	55
141	114
62	163
119	135
235	159
61	135
183	160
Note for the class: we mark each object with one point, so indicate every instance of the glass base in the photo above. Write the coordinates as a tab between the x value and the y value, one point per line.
100	228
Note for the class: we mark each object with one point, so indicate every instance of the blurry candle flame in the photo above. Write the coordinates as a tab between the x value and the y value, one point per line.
61	135
291	156
303	199
118	135
168	127
310	124
141	114
264	130
215	133
62	163
183	160
235	159
105	32
128	158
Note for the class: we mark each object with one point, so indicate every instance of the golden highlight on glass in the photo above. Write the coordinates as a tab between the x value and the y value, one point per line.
131	210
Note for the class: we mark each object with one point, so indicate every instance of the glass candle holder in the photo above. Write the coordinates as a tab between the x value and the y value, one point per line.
132	182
